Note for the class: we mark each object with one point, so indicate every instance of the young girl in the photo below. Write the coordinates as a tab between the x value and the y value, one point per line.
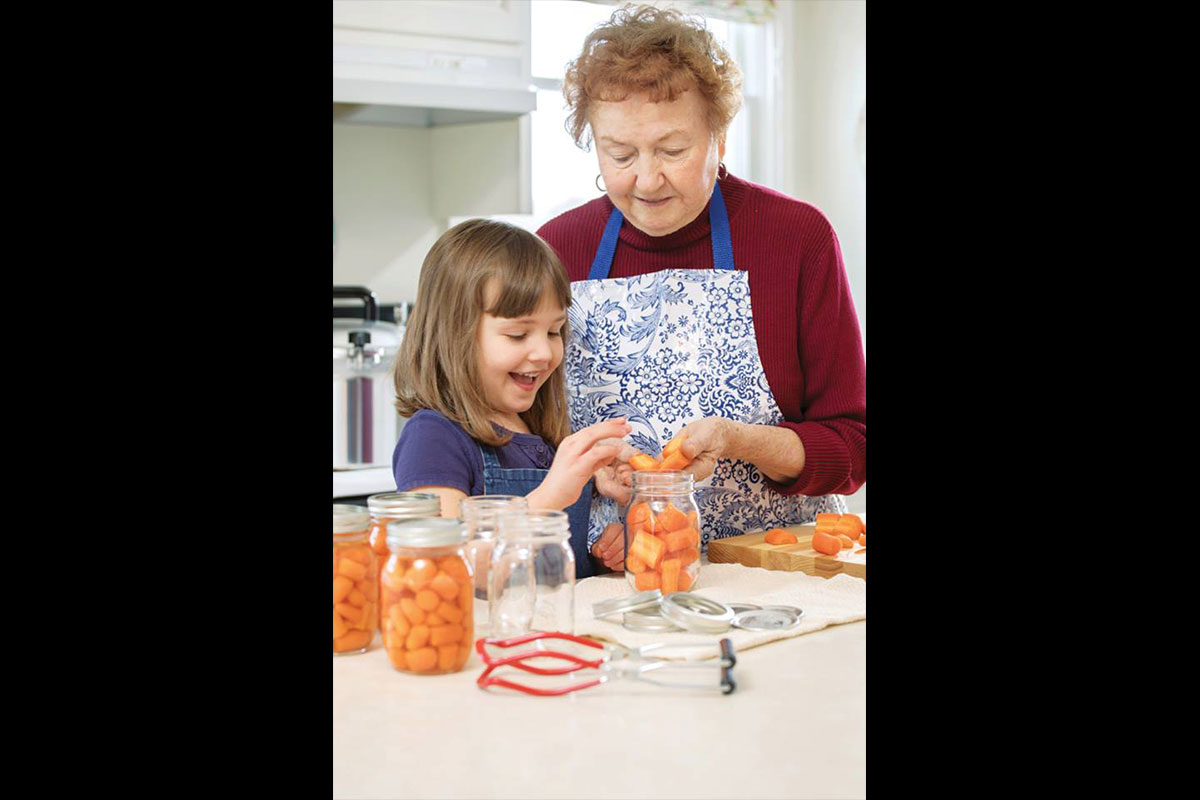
478	376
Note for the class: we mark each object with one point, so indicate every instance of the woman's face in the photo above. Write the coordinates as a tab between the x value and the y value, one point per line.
658	160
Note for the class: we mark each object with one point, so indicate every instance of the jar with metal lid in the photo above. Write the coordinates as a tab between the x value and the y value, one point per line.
427	596
355	576
662	533
394	506
479	514
532	575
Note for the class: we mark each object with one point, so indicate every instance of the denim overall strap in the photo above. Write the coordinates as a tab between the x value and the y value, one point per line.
520	482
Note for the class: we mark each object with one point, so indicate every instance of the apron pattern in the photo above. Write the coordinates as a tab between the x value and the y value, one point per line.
650	348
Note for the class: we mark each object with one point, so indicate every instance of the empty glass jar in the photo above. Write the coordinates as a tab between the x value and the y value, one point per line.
355	576
662	533
532	580
479	517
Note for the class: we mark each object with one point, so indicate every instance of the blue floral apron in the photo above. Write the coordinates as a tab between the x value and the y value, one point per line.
520	482
666	349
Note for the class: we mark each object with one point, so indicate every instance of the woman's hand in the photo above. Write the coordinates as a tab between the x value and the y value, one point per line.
610	547
576	461
777	452
707	440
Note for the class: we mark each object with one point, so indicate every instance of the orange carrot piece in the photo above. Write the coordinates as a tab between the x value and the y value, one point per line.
684	537
687	555
846	541
634	564
780	536
423	659
824	543
670	575
638	513
675	461
648	549
685	580
647	580
642	462
671	518
674	445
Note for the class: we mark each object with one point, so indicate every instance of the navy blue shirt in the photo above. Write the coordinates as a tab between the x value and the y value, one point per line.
435	451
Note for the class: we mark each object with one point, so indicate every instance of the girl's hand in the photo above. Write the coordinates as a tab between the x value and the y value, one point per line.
707	440
616	479
610	547
576	461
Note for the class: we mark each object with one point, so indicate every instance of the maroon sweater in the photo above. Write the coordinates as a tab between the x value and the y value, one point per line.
808	334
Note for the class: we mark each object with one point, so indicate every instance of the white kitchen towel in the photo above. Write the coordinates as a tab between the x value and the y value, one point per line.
826	601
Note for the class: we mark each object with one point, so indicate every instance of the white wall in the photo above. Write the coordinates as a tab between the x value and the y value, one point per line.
824	73
382	208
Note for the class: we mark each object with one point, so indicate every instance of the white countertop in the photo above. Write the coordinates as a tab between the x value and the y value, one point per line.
794	728
355	482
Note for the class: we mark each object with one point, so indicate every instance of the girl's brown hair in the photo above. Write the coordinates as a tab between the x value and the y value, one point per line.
438	363
657	51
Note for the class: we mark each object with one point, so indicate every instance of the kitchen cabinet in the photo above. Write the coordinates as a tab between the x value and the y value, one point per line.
431	105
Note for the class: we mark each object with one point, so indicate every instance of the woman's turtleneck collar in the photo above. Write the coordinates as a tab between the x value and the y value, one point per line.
732	191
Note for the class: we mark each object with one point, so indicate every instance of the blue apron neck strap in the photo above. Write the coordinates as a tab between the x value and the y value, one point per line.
718	222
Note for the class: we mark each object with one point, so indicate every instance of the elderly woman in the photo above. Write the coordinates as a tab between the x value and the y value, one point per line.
703	303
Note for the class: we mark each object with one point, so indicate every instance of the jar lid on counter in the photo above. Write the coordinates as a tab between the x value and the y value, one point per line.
425	532
768	618
350	519
404	505
697	613
630	602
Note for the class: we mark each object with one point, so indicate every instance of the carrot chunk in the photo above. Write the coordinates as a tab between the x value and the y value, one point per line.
645	581
685	580
670	575
671	519
675	461
825	543
445	586
780	536
642	462
648	549
341	588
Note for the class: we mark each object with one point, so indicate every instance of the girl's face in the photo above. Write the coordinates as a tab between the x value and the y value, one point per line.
517	355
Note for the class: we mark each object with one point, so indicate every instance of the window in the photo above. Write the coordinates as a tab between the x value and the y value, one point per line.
563	175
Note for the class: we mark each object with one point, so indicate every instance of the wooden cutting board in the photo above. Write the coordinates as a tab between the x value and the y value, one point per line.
751	550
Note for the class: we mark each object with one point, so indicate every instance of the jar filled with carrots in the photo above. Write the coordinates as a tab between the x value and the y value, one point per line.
355	581
662	532
427	596
392	507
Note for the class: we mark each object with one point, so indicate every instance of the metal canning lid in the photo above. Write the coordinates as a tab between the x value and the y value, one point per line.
696	613
740	607
648	620
425	532
350	519
632	602
778	618
404	505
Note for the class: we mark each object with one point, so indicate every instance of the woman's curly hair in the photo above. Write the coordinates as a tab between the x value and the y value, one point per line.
661	52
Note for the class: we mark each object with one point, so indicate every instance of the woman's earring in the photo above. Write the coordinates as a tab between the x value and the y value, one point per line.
599	188
721	166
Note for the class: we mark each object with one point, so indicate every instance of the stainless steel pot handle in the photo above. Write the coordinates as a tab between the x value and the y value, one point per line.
371	305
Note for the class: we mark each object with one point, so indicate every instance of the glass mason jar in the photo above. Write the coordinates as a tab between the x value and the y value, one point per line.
532	576
355	576
427	597
479	516
392	506
662	533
